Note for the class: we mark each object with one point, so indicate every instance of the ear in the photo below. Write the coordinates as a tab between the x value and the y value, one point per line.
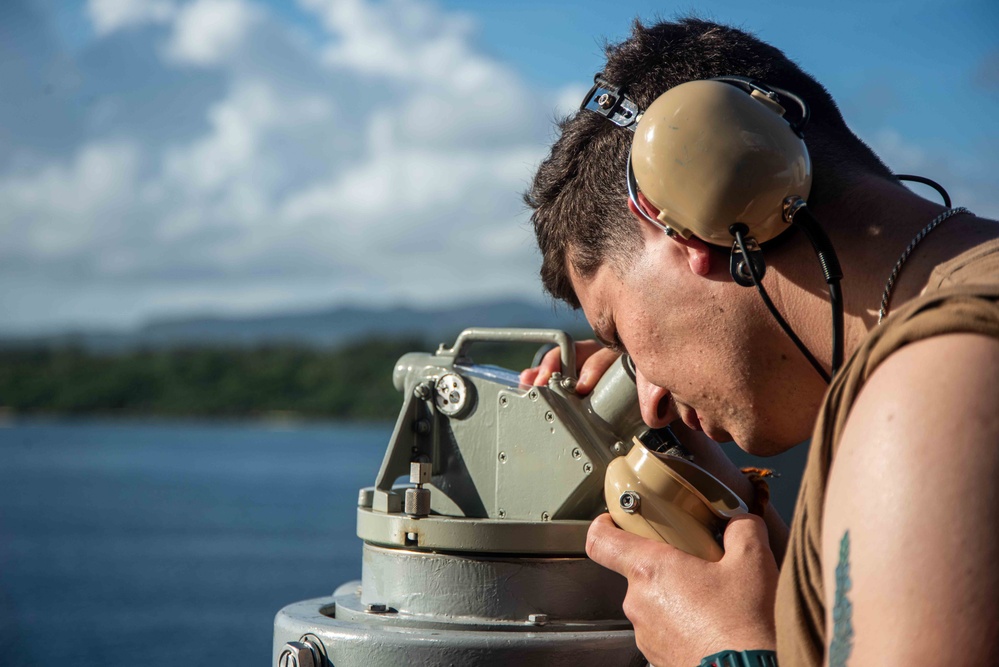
698	254
697	251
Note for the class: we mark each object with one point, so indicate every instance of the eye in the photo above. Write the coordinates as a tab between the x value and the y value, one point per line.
611	341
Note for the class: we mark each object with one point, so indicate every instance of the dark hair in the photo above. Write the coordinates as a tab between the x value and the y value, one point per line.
579	192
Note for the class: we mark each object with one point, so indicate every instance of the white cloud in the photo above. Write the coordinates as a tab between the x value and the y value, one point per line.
206	32
405	40
356	170
68	208
108	16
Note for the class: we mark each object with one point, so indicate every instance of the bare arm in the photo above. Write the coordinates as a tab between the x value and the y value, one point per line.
910	552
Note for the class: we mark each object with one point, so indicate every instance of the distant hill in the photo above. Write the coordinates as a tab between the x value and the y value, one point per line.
321	328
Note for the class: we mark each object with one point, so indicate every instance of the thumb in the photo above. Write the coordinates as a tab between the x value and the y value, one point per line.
619	550
744	534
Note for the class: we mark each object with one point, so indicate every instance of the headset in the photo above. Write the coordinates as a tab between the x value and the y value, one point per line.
721	161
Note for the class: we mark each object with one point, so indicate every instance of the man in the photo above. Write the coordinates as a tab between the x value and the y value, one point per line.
893	552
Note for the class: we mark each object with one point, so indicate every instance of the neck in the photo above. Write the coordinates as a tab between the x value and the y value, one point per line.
870	226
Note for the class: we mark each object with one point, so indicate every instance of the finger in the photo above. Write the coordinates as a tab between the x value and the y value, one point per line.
593	368
621	551
527	376
550	363
744	534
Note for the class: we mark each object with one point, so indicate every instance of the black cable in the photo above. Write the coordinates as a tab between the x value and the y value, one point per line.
926	181
832	273
758	283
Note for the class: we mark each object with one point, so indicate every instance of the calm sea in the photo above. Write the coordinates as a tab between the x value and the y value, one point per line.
171	544
176	543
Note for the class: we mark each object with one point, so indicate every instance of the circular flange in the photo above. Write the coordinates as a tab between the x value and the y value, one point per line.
450	533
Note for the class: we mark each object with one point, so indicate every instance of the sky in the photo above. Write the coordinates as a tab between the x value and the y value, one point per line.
166	158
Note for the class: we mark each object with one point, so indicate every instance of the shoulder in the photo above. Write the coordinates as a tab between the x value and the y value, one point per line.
913	485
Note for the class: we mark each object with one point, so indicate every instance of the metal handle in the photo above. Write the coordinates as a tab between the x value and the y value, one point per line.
567	349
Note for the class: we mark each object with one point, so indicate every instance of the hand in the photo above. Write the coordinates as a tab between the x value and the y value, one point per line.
684	608
592	361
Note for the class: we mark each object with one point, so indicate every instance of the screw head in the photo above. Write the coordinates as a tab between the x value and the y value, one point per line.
298	654
422	391
549	416
587	467
630	501
545	516
576	454
502	513
502	457
618	447
605	101
533	394
504	401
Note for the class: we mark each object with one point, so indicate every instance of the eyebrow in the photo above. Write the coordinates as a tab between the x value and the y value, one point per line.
602	323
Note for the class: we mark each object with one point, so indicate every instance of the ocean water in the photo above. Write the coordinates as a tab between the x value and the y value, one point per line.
164	543
170	544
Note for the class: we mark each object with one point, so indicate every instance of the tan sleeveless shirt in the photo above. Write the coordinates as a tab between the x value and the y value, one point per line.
962	296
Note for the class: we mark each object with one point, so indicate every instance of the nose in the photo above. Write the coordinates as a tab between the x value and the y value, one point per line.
657	409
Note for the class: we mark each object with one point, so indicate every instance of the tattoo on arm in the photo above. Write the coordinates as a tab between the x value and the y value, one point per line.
842	640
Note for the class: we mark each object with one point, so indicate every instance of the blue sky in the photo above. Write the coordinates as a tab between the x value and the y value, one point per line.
170	157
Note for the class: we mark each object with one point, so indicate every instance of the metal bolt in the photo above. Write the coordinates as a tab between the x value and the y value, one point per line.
502	457
545	516
376	608
587	467
417	502
569	384
504	401
422	391
630	501
537	619
605	101
317	646
549	416
298	654
419	472
576	454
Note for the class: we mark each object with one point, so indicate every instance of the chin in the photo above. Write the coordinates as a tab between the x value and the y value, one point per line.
765	444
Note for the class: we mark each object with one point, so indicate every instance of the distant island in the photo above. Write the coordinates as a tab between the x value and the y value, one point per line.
333	364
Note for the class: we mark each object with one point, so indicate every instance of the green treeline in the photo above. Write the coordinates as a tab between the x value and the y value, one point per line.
352	382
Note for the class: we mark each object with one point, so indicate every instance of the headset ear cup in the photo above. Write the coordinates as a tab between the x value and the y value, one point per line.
708	154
